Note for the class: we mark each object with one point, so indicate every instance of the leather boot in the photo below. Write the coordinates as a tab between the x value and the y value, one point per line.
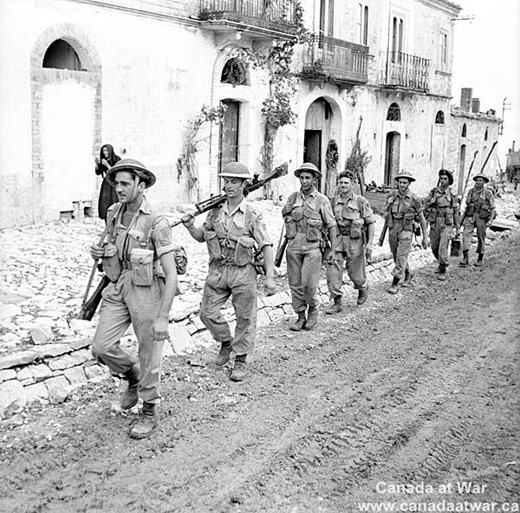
334	307
312	318
240	369
442	272
224	353
479	261
408	276
131	396
300	322
395	286
146	424
362	295
465	259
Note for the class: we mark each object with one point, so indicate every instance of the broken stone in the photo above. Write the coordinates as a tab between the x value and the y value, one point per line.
41	335
180	339
12	398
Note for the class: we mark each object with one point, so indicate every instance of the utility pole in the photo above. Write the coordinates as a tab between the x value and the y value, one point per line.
505	106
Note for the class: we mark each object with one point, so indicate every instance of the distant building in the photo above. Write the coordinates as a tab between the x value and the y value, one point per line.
76	74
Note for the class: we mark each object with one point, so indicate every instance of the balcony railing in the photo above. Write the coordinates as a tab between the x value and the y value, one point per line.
266	14
406	70
335	60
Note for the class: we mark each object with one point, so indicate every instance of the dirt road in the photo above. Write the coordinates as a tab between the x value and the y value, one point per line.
409	399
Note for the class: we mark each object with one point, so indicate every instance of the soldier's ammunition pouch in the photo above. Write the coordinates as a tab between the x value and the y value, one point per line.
111	263
356	229
408	222
213	244
244	251
484	213
142	266
314	229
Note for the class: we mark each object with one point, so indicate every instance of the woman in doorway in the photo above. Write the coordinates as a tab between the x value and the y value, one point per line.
107	195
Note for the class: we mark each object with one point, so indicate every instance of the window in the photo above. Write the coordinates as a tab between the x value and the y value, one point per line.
397	38
443	51
233	73
439	118
464	130
60	55
327	18
362	25
394	113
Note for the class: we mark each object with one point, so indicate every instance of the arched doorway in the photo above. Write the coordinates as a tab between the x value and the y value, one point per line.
66	91
392	156
318	127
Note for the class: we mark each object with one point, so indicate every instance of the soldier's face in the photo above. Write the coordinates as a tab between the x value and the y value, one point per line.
233	187
345	185
127	186
306	180
403	184
479	182
444	181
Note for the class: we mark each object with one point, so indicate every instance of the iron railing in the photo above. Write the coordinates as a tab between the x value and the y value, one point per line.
262	13
406	70
338	60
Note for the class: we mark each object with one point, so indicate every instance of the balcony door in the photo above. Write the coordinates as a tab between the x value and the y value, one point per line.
462	166
327	18
392	156
229	135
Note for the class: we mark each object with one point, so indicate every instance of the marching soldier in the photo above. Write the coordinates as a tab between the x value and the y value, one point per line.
139	260
353	214
401	209
480	213
307	215
442	208
232	232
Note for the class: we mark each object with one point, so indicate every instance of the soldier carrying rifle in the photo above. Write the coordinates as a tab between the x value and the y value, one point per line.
233	231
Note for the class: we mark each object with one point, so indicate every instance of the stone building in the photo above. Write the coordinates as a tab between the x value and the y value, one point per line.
144	75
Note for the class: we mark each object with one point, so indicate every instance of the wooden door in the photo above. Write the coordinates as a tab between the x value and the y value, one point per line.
229	135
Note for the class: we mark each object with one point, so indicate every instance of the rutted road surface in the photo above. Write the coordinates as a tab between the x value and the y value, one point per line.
406	400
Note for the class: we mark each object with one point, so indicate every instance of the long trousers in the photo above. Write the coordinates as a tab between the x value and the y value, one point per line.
469	225
440	237
400	246
303	270
350	251
239	283
124	303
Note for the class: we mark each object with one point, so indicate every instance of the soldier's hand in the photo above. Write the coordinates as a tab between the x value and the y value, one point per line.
188	220
159	330
270	286
368	253
97	251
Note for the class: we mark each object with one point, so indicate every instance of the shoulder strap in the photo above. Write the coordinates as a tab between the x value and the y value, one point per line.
150	226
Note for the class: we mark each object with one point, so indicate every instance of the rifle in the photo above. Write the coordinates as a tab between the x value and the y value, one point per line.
282	244
383	232
215	201
88	308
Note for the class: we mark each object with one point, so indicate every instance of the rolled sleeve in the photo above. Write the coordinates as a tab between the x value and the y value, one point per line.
260	231
329	220
162	238
366	212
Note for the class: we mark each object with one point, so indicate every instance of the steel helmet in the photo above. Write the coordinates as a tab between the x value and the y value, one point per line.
310	168
235	170
481	175
131	165
405	174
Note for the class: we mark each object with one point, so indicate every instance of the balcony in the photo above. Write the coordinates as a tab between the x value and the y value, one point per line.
257	18
406	71
334	60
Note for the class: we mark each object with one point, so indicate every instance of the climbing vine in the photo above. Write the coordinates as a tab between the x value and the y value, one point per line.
277	60
358	159
186	163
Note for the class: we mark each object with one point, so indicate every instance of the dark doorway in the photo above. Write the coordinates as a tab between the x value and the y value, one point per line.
312	149
229	135
462	165
392	156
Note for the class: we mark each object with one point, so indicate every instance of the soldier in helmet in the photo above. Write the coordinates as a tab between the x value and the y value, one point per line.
401	209
232	232
139	260
308	216
480	213
442	211
353	214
